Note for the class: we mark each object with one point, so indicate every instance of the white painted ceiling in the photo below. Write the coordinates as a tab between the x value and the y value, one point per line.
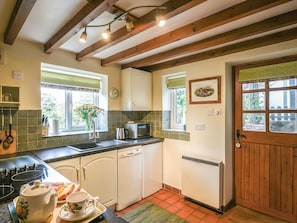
48	16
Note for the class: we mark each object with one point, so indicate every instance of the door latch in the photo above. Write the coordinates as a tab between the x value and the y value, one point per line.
239	135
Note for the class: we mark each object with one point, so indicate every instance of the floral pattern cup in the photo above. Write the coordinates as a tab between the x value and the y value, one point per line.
78	202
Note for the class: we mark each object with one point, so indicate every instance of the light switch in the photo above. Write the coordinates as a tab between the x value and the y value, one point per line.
18	75
210	112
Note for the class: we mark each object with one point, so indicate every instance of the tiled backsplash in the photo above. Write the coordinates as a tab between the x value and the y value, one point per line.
27	124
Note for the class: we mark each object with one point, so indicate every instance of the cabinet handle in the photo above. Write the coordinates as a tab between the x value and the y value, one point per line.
84	172
77	175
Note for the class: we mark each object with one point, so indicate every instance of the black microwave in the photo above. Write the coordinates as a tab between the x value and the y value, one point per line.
138	130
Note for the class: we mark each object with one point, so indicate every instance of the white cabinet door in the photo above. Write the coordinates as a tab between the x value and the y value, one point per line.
99	176
68	168
136	87
152	168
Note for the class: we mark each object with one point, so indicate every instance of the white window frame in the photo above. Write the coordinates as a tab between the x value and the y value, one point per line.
169	102
102	98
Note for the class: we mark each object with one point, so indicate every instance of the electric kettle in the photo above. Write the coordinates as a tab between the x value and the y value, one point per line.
121	133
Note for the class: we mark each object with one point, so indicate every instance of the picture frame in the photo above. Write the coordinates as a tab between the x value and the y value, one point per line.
205	90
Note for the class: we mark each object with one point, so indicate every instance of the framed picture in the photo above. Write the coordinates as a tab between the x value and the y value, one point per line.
205	91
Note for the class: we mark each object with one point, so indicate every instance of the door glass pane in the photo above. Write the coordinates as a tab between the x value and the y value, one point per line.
283	122
253	101
283	100
253	86
283	83
253	122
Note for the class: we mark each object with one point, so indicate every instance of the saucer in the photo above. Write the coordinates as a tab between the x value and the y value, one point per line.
68	216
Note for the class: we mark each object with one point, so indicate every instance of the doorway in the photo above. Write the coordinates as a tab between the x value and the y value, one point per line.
265	141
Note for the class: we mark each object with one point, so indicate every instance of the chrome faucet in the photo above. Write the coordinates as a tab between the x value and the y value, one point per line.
93	136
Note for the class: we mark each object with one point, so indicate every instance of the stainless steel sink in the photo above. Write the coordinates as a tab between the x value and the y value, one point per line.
113	142
94	146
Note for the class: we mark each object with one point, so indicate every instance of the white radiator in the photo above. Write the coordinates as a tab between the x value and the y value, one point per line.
202	181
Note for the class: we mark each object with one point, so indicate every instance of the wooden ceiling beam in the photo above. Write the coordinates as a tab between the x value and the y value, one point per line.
174	7
270	24
18	17
233	13
91	10
267	40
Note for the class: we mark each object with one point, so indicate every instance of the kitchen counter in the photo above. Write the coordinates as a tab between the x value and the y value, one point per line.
107	217
53	176
66	152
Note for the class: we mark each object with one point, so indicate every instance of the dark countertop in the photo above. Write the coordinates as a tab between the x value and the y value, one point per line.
65	152
108	216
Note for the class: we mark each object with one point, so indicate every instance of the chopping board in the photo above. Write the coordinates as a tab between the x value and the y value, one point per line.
12	147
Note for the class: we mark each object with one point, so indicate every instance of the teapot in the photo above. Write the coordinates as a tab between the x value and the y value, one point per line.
36	203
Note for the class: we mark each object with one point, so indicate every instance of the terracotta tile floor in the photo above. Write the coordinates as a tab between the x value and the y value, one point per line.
185	209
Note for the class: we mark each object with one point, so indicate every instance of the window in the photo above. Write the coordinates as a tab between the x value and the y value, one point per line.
62	92
272	103
174	102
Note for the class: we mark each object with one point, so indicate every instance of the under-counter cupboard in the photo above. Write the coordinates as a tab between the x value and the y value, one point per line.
136	90
152	168
96	173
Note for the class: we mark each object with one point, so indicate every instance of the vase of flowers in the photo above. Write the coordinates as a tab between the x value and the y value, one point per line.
88	112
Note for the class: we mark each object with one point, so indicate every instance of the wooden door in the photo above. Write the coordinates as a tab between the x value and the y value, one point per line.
266	146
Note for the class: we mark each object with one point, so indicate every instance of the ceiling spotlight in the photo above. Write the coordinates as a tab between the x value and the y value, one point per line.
129	23
106	33
160	19
83	36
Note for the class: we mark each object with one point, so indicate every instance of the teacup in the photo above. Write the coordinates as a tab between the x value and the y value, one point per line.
78	202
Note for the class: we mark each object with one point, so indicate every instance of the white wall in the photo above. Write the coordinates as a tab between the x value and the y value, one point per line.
26	57
215	142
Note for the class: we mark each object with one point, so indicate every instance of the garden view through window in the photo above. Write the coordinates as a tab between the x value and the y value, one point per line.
61	93
272	103
174	101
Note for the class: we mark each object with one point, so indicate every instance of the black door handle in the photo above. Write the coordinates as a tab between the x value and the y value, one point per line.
239	135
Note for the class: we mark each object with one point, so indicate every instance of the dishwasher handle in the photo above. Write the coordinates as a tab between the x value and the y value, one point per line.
130	153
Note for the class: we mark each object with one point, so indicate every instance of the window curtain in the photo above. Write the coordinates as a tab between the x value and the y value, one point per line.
274	71
58	80
176	82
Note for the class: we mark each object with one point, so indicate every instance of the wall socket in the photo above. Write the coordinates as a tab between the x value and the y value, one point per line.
200	126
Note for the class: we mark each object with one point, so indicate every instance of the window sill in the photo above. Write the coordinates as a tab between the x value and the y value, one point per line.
71	133
174	130
178	134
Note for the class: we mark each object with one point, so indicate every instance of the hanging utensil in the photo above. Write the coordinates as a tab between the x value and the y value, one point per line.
9	138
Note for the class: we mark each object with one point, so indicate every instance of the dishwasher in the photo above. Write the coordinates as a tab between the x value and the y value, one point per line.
129	176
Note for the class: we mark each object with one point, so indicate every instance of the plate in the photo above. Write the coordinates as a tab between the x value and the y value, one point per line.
92	212
68	216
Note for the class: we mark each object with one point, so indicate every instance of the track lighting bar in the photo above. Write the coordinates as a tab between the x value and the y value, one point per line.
129	23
